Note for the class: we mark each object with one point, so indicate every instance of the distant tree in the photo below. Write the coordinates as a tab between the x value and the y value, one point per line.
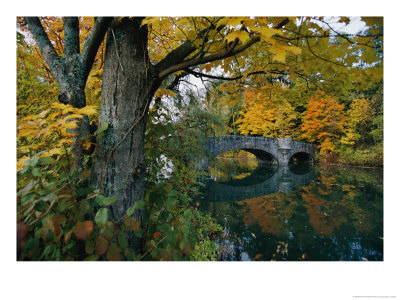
324	122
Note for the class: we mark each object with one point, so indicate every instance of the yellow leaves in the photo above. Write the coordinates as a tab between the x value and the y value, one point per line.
249	23
371	21
53	151
207	67
295	50
50	130
279	51
179	72
56	122
266	116
88	110
151	21
164	92
59	105
230	21
327	146
26	132
241	35
22	162
345	20
266	33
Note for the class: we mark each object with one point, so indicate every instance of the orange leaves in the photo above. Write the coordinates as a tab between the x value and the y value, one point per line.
157	234
114	253
52	223
83	230
132	223
324	121
101	245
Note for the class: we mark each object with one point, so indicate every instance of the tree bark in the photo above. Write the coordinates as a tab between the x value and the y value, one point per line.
128	87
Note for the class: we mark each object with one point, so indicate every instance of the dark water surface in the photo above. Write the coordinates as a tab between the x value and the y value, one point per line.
300	212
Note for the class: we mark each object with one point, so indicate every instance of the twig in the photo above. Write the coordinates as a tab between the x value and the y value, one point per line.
324	59
45	213
148	251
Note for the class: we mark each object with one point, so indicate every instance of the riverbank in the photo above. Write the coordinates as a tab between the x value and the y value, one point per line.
363	158
371	157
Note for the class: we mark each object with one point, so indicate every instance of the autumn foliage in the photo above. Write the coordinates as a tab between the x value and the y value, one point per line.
261	115
271	66
325	122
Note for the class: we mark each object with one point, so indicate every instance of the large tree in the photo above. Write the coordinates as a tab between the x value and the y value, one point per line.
146	55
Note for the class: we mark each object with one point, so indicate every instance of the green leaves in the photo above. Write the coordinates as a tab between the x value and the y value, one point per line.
105	201
46	161
123	240
138	205
101	216
114	253
26	199
101	129
172	199
130	211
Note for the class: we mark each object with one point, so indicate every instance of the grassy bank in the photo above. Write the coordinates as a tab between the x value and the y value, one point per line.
369	157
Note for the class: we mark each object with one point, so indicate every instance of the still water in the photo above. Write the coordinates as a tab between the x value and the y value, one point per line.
300	212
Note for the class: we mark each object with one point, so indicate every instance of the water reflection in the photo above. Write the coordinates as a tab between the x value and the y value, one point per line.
264	180
280	213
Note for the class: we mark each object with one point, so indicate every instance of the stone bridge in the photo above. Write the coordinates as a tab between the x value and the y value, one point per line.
278	151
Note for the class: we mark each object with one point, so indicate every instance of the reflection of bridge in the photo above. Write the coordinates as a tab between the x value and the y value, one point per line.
276	151
263	181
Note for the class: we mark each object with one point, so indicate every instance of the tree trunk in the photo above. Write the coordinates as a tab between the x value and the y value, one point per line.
119	168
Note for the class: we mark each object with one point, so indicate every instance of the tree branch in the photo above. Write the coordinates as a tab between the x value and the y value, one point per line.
232	50
71	36
177	55
43	41
210	58
320	57
93	41
199	74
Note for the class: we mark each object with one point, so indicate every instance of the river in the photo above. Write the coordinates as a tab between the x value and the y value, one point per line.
300	212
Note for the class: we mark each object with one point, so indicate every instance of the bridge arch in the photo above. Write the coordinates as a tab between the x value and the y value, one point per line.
269	150
301	157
